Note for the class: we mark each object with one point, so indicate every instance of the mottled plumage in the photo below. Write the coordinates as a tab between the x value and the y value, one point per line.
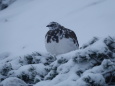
60	36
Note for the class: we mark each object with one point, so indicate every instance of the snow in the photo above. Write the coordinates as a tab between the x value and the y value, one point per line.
13	81
4	55
98	78
40	69
23	24
7	1
88	65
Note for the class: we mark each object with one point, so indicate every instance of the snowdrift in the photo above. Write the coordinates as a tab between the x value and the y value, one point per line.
92	65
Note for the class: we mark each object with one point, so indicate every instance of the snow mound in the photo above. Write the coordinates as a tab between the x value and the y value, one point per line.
13	81
4	55
92	65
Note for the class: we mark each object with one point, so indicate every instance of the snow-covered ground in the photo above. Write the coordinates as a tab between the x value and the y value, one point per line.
23	23
92	65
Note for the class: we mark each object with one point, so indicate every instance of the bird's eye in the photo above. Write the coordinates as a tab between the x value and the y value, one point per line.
52	24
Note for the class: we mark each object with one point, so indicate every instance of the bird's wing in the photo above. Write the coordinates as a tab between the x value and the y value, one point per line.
71	34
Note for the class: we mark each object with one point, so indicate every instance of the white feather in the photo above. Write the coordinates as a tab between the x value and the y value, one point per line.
63	46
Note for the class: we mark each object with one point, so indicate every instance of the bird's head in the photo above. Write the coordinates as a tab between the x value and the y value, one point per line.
53	25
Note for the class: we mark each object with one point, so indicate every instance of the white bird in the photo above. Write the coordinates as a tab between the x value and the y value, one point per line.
60	40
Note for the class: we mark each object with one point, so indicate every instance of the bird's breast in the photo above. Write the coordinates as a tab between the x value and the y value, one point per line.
63	45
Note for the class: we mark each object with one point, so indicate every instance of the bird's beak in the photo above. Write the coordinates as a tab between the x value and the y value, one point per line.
48	26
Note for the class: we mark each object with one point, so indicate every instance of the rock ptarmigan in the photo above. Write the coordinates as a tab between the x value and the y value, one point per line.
60	40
